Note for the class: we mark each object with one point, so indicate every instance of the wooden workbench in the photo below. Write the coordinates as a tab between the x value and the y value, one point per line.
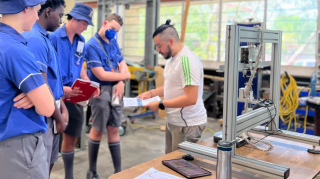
287	153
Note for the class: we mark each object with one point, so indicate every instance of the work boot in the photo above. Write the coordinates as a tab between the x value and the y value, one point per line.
92	175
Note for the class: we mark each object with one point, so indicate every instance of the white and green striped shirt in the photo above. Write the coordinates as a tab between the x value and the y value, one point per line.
183	70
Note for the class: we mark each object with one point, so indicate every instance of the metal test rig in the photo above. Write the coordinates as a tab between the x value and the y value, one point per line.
234	126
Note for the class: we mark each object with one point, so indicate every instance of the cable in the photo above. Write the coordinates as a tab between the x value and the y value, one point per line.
289	102
253	71
271	132
207	128
247	134
247	99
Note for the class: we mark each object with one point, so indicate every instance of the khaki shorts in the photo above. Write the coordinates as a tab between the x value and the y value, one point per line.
51	142
24	156
103	113
177	134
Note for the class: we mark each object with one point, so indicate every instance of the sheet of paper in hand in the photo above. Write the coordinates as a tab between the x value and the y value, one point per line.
133	102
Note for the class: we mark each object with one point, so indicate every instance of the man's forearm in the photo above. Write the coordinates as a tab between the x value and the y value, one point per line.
111	76
83	74
179	102
57	114
157	92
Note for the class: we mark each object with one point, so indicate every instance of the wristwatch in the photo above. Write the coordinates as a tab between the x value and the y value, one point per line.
161	106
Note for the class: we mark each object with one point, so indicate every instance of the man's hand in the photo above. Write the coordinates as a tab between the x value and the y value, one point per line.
68	92
118	91
145	95
153	106
61	126
23	102
96	93
126	75
64	111
65	116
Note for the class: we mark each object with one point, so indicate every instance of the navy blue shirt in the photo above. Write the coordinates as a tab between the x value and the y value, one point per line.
46	57
70	56
95	57
19	73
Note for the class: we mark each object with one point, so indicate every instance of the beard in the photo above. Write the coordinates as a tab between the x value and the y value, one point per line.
169	53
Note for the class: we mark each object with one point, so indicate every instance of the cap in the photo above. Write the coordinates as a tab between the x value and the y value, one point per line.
82	12
16	6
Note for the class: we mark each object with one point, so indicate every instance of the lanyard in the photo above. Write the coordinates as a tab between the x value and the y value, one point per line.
99	42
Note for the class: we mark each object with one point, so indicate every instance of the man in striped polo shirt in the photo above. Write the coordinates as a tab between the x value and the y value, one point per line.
182	90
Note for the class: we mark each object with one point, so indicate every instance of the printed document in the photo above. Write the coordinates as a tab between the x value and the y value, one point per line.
155	174
133	102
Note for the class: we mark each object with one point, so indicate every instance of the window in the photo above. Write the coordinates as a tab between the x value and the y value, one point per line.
297	19
236	12
202	30
134	31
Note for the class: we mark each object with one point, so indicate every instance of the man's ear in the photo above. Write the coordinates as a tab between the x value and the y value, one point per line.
171	41
105	23
48	12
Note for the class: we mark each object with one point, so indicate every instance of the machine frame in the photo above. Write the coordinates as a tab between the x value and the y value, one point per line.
234	125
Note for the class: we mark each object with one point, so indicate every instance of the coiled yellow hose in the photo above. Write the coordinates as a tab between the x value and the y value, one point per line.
289	102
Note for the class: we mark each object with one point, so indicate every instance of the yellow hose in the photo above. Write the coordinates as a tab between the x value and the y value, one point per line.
289	102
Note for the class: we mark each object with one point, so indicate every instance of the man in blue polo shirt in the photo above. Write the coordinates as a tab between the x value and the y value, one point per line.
22	150
108	68
38	41
70	47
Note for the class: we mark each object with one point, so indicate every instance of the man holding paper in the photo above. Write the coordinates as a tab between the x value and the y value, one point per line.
106	66
69	45
182	90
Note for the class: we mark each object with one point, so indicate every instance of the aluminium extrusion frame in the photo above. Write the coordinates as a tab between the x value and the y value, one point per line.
233	125
238	161
235	35
289	135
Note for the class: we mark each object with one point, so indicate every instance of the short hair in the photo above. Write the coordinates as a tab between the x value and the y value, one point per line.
115	17
69	17
53	4
168	30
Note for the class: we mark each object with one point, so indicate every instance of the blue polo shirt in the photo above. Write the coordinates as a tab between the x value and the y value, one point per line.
70	57
95	57
19	73
46	57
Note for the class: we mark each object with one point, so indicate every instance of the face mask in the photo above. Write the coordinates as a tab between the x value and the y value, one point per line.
110	33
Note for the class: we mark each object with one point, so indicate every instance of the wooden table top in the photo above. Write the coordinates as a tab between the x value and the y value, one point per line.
303	165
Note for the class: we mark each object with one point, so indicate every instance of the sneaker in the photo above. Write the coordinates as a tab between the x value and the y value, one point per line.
92	175
88	129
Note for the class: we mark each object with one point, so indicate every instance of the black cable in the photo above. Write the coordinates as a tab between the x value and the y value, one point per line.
182	117
271	132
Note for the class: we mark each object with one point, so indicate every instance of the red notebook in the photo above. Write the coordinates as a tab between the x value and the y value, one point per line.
87	89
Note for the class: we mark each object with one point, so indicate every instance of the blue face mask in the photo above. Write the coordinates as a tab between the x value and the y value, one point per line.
110	33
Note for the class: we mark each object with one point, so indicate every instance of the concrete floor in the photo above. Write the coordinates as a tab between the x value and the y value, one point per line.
138	145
